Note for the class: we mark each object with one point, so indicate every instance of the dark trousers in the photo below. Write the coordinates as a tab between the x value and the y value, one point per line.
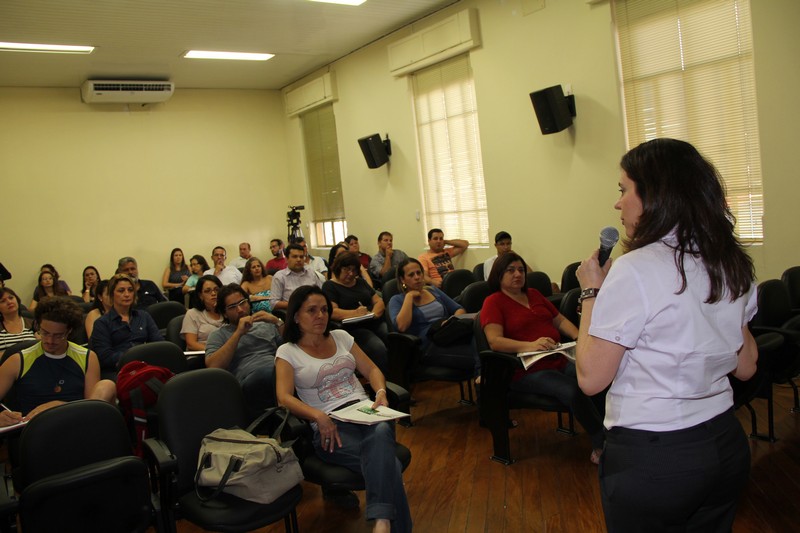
684	480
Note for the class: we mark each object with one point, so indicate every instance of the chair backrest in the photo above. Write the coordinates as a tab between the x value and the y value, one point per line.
480	337
174	332
791	278
454	282
541	282
192	405
569	306
388	290
87	431
16	348
163	312
473	296
477	271
159	353
388	276
569	280
774	306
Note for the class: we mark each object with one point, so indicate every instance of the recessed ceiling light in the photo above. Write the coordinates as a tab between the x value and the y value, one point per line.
343	2
241	56
46	48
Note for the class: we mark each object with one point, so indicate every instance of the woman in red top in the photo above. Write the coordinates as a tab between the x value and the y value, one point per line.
516	319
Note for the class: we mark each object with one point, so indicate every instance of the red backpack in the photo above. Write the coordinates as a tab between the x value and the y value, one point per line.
138	386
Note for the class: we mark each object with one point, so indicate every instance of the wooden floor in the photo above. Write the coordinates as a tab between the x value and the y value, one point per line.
452	485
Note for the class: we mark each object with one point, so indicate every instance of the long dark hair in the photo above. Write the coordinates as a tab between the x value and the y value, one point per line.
183	266
8	290
201	261
247	275
292	331
58	290
98	296
83	289
214	280
680	190
499	268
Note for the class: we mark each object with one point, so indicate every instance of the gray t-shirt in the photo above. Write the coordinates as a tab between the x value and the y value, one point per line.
256	348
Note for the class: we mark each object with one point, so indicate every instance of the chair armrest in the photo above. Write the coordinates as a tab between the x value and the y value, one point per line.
9	504
791	335
497	368
404	352
163	468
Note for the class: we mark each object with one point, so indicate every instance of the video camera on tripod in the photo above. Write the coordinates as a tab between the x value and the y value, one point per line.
293	223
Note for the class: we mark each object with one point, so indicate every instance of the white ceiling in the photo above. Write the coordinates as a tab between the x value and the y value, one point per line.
145	39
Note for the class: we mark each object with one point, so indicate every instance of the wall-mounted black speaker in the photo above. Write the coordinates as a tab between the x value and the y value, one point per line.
553	109
375	150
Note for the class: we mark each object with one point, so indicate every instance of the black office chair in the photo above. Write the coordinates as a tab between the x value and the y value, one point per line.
455	281
569	280
473	296
163	312
497	399
159	353
90	481
173	333
478	272
389	275
791	278
191	406
775	315
541	282
407	364
759	385
569	306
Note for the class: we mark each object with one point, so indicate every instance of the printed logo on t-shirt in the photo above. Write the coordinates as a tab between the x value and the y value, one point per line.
443	263
336	380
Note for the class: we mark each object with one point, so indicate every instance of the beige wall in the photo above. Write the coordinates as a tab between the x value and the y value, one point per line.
88	184
220	166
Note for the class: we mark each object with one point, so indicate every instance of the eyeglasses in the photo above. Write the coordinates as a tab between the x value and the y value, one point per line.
211	290
237	305
54	336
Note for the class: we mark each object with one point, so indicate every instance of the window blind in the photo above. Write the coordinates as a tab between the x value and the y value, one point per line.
687	73
451	169
324	176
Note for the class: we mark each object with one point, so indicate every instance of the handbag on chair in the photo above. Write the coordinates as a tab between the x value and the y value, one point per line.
450	331
256	468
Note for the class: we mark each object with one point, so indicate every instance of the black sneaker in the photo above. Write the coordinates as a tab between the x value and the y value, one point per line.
346	499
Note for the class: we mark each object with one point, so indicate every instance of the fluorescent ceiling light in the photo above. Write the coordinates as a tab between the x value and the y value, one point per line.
47	48
343	2
241	56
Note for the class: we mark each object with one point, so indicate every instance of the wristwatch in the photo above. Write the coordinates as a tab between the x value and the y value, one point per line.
587	293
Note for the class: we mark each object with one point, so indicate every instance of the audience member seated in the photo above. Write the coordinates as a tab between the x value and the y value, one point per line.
278	261
516	318
147	292
175	275
61	283
320	365
53	371
91	277
315	262
387	257
47	285
296	274
355	247
102	303
244	256
352	297
438	260
202	320
13	326
336	250
417	306
226	274
257	283
122	326
197	265
245	345
502	243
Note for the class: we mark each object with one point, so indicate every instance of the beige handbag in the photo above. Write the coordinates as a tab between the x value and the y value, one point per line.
234	461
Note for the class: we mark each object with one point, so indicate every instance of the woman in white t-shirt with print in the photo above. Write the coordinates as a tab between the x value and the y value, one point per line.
321	364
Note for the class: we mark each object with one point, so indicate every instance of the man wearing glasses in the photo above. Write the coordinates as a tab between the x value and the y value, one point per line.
245	345
226	274
53	371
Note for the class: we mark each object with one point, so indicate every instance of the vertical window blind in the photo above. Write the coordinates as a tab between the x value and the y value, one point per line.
324	177
454	195
687	73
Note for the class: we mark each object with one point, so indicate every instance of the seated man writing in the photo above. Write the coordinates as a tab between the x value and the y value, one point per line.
53	371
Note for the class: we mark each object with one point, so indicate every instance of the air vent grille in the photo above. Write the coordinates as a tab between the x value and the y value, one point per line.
150	86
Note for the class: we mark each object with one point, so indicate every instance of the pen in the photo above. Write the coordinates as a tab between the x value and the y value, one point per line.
6	408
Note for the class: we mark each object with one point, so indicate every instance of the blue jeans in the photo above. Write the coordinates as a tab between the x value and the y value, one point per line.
564	386
371	451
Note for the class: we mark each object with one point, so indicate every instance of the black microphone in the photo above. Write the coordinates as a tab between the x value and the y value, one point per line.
608	238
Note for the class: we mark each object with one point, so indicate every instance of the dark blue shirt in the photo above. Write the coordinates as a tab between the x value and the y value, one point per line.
112	337
148	294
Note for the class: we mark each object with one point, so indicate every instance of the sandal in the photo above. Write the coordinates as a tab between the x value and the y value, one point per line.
597	453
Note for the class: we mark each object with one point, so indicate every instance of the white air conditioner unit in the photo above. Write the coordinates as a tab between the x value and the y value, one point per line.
126	91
